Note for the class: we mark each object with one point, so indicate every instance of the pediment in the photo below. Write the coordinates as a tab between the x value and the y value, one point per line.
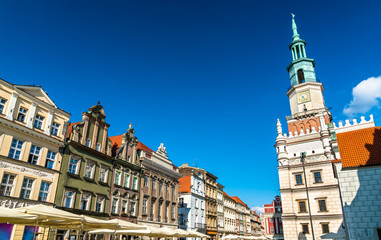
36	92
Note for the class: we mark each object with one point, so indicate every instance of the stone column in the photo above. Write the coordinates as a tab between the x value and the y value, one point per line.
84	130
104	140
32	112
49	122
95	135
11	107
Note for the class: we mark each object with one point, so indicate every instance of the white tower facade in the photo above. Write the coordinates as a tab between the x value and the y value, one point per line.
309	189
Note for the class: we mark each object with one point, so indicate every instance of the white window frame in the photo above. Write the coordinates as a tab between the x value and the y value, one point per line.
50	158
104	179
98	147
77	165
34	154
85	197
119	179
89	166
2	105
173	211
144	206
17	149
8	187
88	142
135	183
133	208
38	121
26	188
21	116
116	205
126	180
99	204
55	129
71	197
124	206
44	192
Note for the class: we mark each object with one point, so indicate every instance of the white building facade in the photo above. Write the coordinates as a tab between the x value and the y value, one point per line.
309	190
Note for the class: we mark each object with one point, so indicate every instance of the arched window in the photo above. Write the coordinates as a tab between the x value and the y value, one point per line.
300	76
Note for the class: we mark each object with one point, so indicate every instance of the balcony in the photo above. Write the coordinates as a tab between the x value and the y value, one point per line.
200	226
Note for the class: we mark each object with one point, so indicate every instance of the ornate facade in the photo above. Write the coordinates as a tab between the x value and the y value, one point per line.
273	219
309	189
211	204
32	134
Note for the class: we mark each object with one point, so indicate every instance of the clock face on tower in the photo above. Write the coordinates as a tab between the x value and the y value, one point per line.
304	96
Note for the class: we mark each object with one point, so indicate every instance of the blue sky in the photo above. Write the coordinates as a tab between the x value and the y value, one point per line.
206	78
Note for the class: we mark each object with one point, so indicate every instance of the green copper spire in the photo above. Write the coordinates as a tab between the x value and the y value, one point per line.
294	29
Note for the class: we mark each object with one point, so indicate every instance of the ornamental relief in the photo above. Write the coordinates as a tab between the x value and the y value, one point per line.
10	203
311	159
26	170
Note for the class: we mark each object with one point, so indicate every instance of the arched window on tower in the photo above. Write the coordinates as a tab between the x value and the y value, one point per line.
300	76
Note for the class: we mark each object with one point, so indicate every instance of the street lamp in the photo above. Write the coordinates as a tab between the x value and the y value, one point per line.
302	158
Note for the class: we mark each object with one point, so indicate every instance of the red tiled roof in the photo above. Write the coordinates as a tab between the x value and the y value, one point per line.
336	160
239	200
361	147
185	183
143	147
116	140
70	129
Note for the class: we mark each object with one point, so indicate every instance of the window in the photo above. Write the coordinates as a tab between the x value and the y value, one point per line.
73	166
34	154
145	181
135	183
99	204
89	170
173	191
98	147
153	183
127	179
2	105
7	184
103	174
133	208
302	206
22	114
124	206
26	188
88	142
300	76
202	205
322	205
305	229
38	122
85	200
44	192
196	203
325	227
160	186
50	159
55	129
114	205
317	176
118	177
173	212
68	199
15	150
299	179
144	207
152	207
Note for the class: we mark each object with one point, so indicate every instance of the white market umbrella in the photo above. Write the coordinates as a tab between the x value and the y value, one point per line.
332	235
124	225
13	216
181	233
231	236
198	234
46	213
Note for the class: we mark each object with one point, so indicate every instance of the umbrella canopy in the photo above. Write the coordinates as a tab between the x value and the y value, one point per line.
231	236
124	225
249	237
181	233
13	216
46	213
332	235
145	231
198	234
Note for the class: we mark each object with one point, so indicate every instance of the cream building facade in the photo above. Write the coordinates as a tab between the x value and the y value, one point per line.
308	134
32	131
230	226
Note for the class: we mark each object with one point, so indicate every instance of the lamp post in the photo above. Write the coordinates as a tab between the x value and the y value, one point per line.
302	158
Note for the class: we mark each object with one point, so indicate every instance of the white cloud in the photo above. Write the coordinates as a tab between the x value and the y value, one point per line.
366	95
257	209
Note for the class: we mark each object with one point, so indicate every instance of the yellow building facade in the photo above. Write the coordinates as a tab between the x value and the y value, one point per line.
32	134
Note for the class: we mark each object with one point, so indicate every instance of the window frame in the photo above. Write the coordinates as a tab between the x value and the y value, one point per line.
116	205
135	183
325	204
3	103
51	160
126	180
303	228
17	150
87	197
34	154
319	177
305	206
7	185
98	147
72	198
133	208
144	206
88	142
322	227
105	180
120	177
124	206
21	115
25	192
77	165
38	122
100	199
54	130
297	180
92	169
44	191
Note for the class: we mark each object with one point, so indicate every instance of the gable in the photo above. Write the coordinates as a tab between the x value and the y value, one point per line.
36	92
